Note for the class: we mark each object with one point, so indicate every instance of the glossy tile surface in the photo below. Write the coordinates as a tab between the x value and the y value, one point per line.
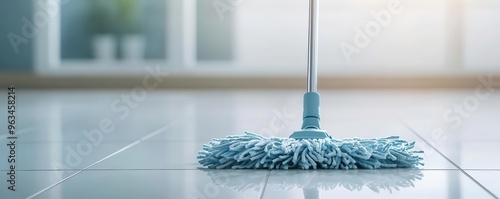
113	143
156	184
403	183
464	131
487	178
29	182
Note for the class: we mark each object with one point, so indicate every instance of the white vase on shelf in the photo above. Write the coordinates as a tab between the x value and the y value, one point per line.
104	47
133	47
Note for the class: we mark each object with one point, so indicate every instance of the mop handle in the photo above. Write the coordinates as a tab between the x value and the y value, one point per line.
312	58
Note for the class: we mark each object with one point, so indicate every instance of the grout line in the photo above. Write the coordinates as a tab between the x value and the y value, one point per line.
20	132
481	169
110	169
161	130
51	186
265	185
449	160
481	140
196	169
111	141
199	169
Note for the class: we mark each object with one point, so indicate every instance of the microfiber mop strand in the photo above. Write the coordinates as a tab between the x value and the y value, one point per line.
252	151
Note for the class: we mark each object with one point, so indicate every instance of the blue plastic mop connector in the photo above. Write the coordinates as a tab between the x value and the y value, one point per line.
311	128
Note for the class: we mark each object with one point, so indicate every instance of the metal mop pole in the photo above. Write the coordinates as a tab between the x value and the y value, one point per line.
312	58
311	128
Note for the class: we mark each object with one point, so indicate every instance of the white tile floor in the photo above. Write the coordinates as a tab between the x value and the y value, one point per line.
150	151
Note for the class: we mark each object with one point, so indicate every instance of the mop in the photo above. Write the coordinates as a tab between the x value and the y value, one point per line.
311	147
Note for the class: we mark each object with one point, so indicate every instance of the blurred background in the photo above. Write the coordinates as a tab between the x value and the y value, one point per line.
248	43
229	66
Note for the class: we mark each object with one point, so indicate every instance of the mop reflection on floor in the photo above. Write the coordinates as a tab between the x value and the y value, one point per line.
312	181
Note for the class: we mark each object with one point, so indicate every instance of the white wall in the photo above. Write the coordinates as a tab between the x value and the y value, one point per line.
426	35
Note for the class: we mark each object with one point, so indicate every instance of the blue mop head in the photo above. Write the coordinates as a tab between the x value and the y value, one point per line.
252	151
309	148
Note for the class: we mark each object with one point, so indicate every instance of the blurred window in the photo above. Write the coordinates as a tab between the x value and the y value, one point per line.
113	30
262	35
